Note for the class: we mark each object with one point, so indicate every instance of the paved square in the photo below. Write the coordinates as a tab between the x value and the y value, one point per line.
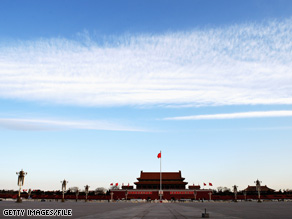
158	210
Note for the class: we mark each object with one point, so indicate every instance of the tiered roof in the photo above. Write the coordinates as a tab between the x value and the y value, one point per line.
195	187
263	189
167	178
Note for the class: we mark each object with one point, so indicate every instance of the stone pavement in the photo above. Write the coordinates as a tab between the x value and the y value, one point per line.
158	210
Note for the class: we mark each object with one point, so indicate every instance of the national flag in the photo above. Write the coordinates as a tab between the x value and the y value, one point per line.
210	184
112	184
117	184
159	155
204	184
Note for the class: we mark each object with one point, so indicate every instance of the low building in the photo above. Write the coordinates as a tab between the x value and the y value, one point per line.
263	189
195	187
151	180
128	187
173	187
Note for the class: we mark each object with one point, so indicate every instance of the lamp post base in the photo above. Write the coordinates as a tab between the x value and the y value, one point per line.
19	200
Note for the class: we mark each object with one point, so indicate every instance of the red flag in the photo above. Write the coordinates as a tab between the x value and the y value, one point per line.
117	184
112	184
210	184
204	184
159	155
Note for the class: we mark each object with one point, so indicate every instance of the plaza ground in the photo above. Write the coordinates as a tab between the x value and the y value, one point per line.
89	210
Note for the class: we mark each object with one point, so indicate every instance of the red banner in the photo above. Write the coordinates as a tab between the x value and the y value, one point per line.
139	193
181	193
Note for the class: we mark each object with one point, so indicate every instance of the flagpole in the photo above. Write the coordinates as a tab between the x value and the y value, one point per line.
160	179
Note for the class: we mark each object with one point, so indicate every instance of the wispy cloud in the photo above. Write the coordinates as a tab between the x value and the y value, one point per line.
43	125
240	64
241	115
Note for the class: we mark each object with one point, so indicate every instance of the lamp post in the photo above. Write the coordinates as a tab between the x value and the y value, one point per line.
77	193
195	194
244	193
235	193
258	188
21	174
64	184
112	196
210	195
86	192
126	194
29	193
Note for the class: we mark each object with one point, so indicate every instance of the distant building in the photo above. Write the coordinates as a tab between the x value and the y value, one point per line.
264	189
151	180
173	187
128	187
195	187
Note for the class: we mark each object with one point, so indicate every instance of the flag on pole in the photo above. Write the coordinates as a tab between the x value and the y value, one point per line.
112	184
117	184
210	184
204	184
159	155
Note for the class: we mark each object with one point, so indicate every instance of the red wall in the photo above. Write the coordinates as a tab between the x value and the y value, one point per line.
144	194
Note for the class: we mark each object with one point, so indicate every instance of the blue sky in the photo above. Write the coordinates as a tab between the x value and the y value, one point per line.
91	91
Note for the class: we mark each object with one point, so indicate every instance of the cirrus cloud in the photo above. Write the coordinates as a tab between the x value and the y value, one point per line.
33	124
240	64
241	115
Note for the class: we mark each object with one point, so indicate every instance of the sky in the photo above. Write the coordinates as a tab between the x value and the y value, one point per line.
92	91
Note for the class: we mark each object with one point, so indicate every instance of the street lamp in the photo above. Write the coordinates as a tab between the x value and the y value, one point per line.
20	183
86	192
210	196
258	188
77	193
29	193
245	194
64	184
112	196
235	193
